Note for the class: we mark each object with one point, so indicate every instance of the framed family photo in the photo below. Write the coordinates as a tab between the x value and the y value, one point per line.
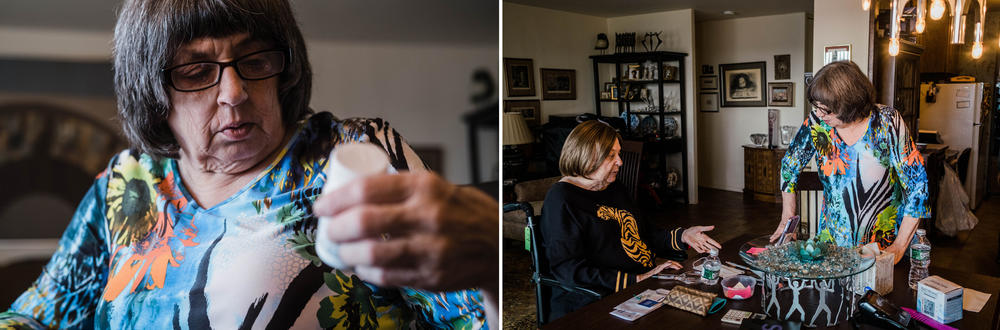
558	84
743	84
519	73
781	94
530	109
633	72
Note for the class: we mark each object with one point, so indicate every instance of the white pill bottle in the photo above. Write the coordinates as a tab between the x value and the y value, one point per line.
347	162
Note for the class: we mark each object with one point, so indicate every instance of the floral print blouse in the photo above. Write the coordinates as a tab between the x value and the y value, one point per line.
867	187
140	252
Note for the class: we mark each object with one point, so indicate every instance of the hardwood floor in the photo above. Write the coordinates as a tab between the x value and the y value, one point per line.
973	251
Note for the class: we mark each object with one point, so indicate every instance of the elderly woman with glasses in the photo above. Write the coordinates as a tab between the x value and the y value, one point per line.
593	232
210	219
874	183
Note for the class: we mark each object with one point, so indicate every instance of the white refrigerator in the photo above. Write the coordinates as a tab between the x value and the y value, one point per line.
958	117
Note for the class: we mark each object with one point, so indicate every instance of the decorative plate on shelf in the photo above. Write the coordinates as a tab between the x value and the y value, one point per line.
669	127
633	124
647	126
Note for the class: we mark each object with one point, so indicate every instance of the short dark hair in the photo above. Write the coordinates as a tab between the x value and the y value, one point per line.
149	33
844	90
586	148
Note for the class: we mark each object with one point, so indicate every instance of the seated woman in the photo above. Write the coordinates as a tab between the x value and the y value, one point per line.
593	235
874	183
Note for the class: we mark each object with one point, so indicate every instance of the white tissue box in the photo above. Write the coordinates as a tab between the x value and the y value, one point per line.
940	299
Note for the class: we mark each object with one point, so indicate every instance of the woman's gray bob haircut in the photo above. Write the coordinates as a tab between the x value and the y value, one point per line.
148	35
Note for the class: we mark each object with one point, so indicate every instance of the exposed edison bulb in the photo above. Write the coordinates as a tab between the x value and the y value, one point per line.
894	46
937	9
865	4
977	50
920	26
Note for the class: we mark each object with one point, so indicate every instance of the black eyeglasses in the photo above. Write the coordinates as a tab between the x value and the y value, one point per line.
193	77
820	112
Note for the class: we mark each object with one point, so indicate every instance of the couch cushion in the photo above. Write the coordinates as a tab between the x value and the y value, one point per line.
514	222
534	190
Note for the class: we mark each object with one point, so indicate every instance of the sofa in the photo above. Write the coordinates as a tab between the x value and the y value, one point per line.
532	192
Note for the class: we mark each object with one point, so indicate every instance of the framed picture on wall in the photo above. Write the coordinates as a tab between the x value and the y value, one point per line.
743	84
558	84
781	94
782	67
707	69
530	109
836	53
519	74
708	102
708	83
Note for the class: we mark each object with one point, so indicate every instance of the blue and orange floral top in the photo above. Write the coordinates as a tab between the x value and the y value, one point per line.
140	252
867	187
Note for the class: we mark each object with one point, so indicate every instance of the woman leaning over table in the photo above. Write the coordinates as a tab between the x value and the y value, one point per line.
210	220
592	232
874	183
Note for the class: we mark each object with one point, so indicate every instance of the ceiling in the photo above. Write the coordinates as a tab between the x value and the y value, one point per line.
424	21
704	9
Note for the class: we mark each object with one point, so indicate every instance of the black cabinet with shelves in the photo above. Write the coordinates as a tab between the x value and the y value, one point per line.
650	97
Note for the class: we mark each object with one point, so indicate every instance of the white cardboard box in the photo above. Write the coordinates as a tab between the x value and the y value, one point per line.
940	299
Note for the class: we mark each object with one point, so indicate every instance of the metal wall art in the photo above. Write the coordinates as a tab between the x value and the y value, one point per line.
648	42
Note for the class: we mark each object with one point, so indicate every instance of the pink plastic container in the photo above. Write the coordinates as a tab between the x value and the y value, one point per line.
745	292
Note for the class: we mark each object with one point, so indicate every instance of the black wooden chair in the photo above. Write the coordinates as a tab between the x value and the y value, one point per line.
544	281
628	173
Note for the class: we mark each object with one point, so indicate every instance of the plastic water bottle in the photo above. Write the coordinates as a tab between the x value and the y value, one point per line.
710	268
920	258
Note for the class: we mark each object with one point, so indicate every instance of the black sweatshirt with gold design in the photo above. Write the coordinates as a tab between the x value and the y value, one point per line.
598	239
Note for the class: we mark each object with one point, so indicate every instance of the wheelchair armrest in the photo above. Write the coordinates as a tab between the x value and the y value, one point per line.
589	291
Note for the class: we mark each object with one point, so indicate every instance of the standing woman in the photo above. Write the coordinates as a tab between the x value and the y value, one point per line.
874	183
209	221
591	229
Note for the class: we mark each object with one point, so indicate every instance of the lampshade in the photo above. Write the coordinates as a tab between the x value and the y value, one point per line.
602	41
515	130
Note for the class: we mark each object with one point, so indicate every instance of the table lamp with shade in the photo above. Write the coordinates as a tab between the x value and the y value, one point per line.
602	43
515	132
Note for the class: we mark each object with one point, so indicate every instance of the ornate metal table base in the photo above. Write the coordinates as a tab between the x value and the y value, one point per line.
814	302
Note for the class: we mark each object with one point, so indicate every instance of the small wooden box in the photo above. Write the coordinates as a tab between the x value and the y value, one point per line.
879	277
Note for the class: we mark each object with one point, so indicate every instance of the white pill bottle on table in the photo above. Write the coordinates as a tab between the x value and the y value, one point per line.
347	162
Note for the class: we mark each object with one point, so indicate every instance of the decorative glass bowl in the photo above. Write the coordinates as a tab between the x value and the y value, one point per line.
758	138
794	259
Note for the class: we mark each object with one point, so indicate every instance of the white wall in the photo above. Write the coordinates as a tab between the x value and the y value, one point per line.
840	22
422	90
554	40
678	36
722	134
54	44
